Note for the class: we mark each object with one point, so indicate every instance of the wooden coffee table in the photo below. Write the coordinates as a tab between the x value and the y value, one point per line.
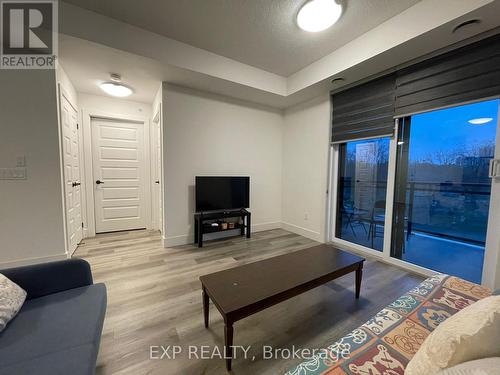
245	290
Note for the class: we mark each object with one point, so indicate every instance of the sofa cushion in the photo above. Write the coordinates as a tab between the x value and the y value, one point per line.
484	366
12	297
54	323
75	361
471	333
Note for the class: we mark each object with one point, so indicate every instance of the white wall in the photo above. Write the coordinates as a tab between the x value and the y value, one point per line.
114	106
31	213
206	134
305	167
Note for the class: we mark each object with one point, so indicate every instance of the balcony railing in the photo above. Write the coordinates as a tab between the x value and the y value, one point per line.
452	210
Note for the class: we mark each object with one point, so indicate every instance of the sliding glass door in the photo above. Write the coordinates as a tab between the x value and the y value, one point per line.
363	170
442	191
423	197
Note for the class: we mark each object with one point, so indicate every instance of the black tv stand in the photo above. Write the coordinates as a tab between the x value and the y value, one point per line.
201	217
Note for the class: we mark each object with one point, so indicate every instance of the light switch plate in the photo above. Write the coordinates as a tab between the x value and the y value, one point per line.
13	173
21	161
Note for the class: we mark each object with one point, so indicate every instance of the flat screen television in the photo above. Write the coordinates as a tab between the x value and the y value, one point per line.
216	193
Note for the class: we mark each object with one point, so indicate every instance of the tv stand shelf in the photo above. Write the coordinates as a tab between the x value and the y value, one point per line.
200	218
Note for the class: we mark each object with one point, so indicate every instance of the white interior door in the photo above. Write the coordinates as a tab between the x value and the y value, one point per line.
72	181
119	170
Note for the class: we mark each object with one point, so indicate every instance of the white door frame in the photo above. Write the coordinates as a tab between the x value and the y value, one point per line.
491	264
87	116
153	162
384	255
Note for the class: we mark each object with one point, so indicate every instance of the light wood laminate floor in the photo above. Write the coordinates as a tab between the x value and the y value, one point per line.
154	298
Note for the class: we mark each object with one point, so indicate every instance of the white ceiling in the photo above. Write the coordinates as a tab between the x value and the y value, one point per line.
92	45
260	33
89	64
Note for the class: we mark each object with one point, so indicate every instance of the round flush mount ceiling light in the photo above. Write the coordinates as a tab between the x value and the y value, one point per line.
318	15
480	121
115	87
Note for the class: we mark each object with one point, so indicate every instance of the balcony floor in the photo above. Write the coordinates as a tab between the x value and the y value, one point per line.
443	255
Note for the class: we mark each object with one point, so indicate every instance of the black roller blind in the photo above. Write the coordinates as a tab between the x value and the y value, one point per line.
364	111
466	74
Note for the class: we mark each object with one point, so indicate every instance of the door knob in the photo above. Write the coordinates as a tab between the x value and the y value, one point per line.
98	182
76	184
157	182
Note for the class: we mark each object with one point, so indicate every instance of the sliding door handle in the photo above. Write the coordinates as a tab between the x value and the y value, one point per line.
493	170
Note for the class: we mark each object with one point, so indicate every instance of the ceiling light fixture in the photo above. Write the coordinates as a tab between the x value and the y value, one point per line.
466	24
480	121
318	15
115	88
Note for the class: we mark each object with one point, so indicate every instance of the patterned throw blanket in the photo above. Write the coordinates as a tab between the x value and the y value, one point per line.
386	343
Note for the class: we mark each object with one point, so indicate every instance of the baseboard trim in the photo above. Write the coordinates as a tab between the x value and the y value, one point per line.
266	226
30	261
186	239
313	235
172	241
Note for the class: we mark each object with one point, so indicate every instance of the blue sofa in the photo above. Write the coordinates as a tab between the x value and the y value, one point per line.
58	329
